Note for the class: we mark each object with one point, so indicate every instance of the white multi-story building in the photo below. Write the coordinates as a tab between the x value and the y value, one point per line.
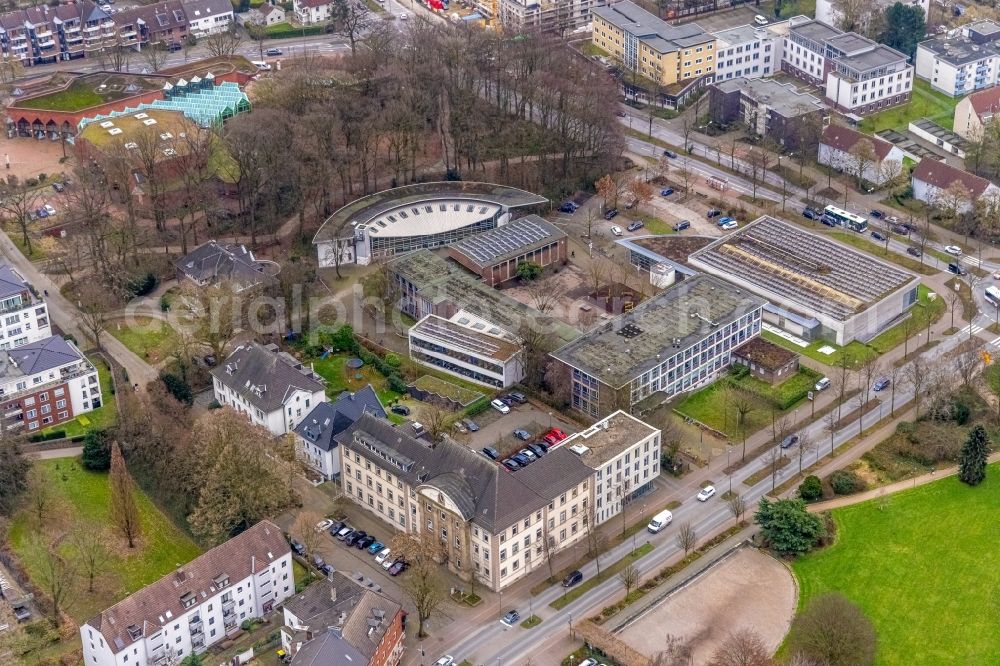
749	51
858	75
199	605
272	388
674	342
468	347
963	60
24	318
313	11
624	453
206	17
45	383
315	436
493	523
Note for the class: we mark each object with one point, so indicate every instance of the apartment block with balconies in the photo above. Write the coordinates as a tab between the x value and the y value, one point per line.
199	605
24	317
961	61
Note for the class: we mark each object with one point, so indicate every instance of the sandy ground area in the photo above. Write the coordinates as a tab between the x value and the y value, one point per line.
749	589
30	157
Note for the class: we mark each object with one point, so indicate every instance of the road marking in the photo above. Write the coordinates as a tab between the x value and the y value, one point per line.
995	343
975	329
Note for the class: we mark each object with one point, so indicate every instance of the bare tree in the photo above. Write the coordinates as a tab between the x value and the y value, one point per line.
869	370
743	647
917	374
154	55
744	406
422	584
95	303
17	204
805	446
124	510
835	631
773	459
738	507
629	578
862	158
687	537
352	19
304	529
54	574
223	44
92	553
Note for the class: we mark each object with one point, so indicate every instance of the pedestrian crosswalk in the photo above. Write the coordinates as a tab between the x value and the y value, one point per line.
975	329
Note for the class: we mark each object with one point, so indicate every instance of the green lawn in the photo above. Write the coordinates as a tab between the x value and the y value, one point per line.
104	416
709	406
148	338
925	569
878	249
854	349
924	103
652	224
446	389
83	499
926	309
340	378
591	49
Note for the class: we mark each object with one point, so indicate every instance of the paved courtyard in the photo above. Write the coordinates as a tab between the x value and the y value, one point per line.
747	590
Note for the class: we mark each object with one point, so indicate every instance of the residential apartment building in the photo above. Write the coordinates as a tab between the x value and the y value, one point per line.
766	108
491	523
337	621
315	436
208	16
974	112
232	263
199	605
643	43
839	148
468	347
312	11
962	60
930	180
45	383
545	15
271	388
624	453
674	342
267	15
858	75
749	51
24	317
44	34
161	23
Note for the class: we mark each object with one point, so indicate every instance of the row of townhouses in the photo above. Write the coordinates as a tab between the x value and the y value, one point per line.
45	34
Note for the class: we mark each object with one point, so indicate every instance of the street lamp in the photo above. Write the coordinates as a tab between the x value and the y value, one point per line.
729	450
550	420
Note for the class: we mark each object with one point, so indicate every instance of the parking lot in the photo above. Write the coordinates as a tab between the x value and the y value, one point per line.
497	430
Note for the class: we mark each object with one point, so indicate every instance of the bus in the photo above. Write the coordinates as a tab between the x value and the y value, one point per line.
838	217
993	296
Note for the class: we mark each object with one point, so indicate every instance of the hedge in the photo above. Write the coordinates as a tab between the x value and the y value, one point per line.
285	30
478	407
45	437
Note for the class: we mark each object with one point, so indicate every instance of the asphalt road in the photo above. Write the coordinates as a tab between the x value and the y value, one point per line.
497	643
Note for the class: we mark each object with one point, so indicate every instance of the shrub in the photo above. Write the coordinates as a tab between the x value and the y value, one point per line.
960	412
164	303
177	387
811	489
846	482
142	285
96	451
478	407
42	177
31	182
397	384
393	360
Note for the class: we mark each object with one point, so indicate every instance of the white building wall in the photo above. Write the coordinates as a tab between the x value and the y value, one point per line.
207	25
759	57
279	421
326	463
29	324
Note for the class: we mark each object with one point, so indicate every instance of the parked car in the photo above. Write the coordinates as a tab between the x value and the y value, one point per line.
671	154
446	660
631	204
491	453
901	229
589	662
58	187
323	525
362	544
810	213
560	435
318	561
723	220
353	538
297	547
682	225
388	560
823	384
635	226
500	406
568	207
327	569
953	250
522	434
537	449
730	225
956	268
40	213
706	493
376	547
760	20
273	52
877	214
402	410
336	527
517	397
383	556
666	192
611	213
621	114
344	532
175	47
915	251
616	230
520	459
830	222
572	579
528	453
398	567
878	235
714	212
881	384
49	209
511	616
789	441
510	464
471	425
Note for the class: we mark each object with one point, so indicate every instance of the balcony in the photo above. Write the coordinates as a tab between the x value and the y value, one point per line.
196	626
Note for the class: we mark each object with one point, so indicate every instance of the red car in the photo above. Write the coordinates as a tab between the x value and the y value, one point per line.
554	436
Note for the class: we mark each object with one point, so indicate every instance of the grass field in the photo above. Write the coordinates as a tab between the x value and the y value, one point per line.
459	394
855	349
927	309
81	501
862	243
150	339
104	416
924	103
340	378
924	569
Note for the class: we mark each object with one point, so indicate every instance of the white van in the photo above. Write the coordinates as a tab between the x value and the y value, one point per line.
261	65
659	521
822	384
760	20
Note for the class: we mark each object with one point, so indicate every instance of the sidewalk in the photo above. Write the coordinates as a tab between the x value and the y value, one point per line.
891	488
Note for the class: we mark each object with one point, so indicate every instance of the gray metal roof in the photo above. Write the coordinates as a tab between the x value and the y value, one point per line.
624	348
264	376
35	357
782	97
216	261
328	419
849	42
11	283
816	31
650	29
511	240
880	56
959	50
